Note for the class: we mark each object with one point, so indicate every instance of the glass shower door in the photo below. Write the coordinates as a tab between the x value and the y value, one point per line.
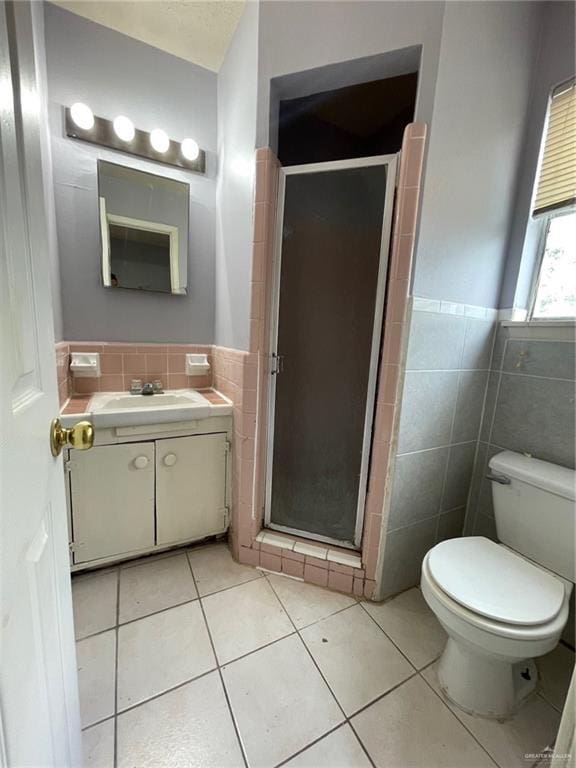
331	263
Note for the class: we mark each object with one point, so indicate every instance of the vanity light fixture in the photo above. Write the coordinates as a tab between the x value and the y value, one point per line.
82	116
124	128
190	149
159	140
121	134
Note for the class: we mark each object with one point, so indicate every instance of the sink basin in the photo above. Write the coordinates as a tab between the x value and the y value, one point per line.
121	402
120	409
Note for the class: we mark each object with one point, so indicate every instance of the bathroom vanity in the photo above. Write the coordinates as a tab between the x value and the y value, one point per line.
150	482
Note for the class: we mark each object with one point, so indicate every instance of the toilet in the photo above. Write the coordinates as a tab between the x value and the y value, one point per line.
504	604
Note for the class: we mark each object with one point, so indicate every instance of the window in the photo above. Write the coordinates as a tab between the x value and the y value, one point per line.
554	292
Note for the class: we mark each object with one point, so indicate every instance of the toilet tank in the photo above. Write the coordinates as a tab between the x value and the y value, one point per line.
535	512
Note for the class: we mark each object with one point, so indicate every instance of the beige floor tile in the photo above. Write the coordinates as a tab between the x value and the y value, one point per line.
94	597
357	659
190	727
530	731
409	622
151	587
411	728
306	603
214	569
96	659
244	618
340	749
555	670
280	702
98	745
161	651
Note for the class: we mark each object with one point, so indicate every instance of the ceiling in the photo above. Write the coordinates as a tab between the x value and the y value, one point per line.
199	32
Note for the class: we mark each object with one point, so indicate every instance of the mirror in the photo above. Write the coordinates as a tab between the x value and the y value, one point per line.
143	229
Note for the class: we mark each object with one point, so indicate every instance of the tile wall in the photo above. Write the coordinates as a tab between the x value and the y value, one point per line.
120	363
529	409
316	567
446	376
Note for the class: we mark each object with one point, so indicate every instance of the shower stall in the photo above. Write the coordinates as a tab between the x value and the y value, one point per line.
330	267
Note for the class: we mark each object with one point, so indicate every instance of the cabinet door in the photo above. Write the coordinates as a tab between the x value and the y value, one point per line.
190	487
112	492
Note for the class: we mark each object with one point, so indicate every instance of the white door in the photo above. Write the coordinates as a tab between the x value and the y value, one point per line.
190	488
39	715
114	516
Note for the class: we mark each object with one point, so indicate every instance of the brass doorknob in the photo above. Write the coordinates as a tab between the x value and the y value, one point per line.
80	436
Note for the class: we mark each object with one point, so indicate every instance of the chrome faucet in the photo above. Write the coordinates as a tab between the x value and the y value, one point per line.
148	388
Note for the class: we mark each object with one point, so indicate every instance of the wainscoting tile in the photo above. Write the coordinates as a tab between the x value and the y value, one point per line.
536	416
469	405
417	487
405	550
451	524
459	473
427	410
436	341
541	358
478	343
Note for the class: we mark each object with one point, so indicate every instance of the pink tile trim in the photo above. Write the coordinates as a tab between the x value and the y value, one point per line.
315	575
292	568
340	582
270	562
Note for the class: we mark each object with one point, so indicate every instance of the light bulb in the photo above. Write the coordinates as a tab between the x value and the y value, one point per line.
159	140
124	128
82	116
190	149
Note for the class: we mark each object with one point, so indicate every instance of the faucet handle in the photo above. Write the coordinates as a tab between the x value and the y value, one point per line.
157	386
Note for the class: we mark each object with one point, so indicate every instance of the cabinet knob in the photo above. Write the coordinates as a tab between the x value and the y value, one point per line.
141	462
170	459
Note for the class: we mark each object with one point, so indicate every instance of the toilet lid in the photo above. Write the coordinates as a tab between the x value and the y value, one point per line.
494	582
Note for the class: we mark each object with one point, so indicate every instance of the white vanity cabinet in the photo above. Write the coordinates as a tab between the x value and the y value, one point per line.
190	487
142	489
112	492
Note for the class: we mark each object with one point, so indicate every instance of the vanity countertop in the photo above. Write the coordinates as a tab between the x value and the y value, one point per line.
108	409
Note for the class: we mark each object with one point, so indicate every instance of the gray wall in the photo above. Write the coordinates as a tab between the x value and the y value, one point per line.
447	366
555	65
487	59
115	74
237	81
296	36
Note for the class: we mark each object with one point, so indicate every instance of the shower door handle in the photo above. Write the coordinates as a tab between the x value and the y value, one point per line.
278	361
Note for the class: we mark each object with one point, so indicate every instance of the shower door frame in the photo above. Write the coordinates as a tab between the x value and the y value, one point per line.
391	161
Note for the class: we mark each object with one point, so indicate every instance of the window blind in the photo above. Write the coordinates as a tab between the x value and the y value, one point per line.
557	181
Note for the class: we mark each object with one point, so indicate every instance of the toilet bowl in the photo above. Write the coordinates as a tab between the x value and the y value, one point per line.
487	665
503	604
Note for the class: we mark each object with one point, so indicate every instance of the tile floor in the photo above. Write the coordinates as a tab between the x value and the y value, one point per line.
189	659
